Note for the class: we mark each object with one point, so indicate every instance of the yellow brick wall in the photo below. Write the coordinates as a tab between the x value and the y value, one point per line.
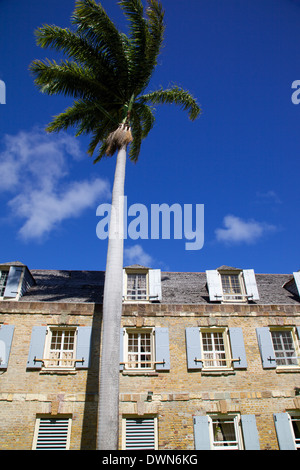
177	394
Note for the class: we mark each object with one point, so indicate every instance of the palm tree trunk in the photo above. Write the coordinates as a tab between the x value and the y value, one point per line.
108	411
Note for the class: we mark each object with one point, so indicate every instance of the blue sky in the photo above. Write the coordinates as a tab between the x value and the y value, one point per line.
240	159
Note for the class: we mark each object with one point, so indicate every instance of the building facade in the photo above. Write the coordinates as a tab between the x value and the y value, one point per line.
208	360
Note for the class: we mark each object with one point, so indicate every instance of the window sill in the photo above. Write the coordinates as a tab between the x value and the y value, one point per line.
151	373
218	372
284	370
58	372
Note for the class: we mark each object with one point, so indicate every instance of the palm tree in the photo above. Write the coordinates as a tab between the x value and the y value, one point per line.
107	75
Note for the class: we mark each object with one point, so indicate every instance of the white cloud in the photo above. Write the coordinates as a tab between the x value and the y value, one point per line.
237	230
33	168
136	255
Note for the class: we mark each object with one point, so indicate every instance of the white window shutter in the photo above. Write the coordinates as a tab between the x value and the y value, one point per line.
155	284
214	285
13	280
250	284
297	280
124	284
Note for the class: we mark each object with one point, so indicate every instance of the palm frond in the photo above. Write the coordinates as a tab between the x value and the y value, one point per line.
76	47
67	78
174	95
95	25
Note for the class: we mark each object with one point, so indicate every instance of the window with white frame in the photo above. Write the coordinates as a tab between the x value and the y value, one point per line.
295	422
215	348
3	281
286	347
137	286
139	433
225	432
60	348
139	348
52	433
233	287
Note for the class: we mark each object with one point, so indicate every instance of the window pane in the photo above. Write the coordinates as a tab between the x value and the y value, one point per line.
140	350
213	350
224	433
136	286
3	282
284	348
61	352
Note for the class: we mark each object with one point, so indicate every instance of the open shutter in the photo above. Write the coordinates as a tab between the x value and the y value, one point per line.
155	284
284	431
162	352
238	348
297	280
122	332
36	349
250	434
12	285
266	348
298	331
214	285
201	433
83	348
6	336
193	348
250	284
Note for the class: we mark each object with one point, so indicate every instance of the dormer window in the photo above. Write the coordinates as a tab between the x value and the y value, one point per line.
15	279
3	281
141	284
227	284
233	287
137	286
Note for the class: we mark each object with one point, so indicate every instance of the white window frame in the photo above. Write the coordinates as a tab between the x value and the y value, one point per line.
232	418
295	416
296	345
155	424
49	417
232	296
135	298
131	365
226	363
47	350
2	286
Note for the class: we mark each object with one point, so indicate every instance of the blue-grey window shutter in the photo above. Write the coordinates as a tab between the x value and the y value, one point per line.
155	284
12	285
36	349
162	351
250	434
284	431
6	336
266	348
122	332
250	284
193	348
83	348
298	331
214	285
238	348
201	433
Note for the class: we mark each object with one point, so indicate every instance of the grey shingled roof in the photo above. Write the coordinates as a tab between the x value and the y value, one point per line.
177	287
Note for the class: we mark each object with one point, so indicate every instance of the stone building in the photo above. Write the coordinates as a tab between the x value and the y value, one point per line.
208	360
